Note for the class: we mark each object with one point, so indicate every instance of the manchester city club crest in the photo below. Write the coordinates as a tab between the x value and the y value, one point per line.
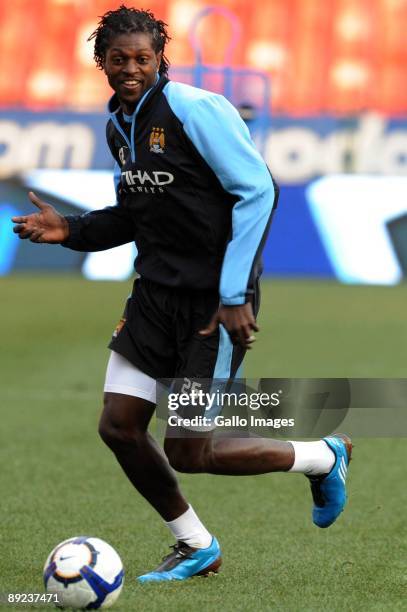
157	140
123	155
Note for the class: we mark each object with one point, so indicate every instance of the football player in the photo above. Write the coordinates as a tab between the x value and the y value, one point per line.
197	198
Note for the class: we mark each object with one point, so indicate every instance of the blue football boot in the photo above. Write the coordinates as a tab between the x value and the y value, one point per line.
329	491
185	562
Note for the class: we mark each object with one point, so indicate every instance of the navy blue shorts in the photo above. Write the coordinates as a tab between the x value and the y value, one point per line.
159	333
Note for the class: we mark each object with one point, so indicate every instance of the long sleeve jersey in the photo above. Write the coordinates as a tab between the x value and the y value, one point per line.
192	192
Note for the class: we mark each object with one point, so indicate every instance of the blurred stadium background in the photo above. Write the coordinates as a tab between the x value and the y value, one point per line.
322	86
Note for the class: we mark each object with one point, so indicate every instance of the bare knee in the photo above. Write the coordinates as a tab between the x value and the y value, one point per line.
116	435
185	456
123	422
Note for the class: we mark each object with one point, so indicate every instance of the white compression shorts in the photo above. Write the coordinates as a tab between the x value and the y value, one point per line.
123	377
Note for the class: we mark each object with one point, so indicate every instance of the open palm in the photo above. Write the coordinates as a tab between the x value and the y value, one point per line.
47	225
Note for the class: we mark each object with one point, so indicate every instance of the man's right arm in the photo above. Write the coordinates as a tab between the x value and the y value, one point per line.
99	230
94	231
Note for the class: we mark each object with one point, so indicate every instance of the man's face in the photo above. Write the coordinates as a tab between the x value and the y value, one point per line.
131	66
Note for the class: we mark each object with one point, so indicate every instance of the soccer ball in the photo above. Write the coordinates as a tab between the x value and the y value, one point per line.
84	572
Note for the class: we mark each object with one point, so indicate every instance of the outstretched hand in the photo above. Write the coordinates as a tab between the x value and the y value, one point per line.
47	225
238	321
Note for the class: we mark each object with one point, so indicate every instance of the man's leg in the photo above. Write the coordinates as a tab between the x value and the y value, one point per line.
123	427
191	452
228	456
325	462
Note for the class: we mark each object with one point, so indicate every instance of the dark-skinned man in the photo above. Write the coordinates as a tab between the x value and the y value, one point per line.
197	199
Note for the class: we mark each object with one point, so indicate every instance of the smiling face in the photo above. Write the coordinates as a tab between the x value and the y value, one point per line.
131	66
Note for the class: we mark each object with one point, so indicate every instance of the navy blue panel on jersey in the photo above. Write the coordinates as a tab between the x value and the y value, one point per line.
222	138
193	193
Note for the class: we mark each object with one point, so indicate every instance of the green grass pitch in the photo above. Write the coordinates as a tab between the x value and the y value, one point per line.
58	480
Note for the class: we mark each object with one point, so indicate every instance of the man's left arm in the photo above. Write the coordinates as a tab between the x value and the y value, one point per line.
222	138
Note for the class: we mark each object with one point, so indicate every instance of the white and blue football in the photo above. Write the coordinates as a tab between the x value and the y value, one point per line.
84	573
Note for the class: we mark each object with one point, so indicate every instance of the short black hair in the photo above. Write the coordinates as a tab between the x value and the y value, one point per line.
125	20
